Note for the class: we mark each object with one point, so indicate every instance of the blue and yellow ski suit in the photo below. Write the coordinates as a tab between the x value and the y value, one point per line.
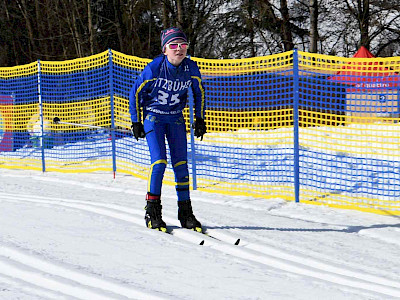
161	92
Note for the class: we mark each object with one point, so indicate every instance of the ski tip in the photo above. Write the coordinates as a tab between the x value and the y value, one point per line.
237	242
56	120
201	243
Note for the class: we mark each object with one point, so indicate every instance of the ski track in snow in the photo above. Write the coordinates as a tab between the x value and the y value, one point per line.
38	272
43	277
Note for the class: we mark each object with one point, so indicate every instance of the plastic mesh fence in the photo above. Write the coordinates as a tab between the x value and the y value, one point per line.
18	104
324	126
249	147
77	91
349	136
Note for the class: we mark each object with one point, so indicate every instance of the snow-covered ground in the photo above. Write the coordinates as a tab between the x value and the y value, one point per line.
82	236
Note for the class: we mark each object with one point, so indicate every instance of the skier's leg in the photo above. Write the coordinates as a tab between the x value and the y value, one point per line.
156	142
176	136
153	216
186	216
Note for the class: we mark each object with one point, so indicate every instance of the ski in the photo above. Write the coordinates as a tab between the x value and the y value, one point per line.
183	232
173	230
236	243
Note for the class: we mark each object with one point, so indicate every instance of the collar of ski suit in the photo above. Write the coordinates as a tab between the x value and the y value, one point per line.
171	66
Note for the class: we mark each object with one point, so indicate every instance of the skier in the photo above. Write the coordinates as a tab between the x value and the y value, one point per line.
161	92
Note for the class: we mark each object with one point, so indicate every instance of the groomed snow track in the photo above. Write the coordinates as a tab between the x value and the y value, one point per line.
42	274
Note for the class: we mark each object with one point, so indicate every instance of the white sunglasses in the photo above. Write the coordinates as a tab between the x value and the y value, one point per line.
175	46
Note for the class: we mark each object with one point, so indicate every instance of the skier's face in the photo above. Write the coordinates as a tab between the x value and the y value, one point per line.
176	51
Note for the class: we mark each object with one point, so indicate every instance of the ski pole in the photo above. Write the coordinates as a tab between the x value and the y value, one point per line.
57	120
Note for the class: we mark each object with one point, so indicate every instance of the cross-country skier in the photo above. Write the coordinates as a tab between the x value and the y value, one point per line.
160	93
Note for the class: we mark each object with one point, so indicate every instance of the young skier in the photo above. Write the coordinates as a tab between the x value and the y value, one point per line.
161	92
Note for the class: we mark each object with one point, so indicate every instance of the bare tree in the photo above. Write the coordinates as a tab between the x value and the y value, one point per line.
179	14
65	29
363	22
286	31
313	26
191	16
92	32
28	22
8	37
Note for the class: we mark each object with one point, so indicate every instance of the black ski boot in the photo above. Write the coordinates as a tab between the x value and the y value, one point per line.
186	217
153	213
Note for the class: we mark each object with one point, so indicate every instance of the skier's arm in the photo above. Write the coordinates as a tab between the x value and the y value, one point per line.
198	91
199	102
137	93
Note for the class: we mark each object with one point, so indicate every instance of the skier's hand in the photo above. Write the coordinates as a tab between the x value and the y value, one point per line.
138	130
199	128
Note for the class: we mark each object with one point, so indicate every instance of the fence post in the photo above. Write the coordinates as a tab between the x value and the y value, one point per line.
192	142
41	138
111	85
296	166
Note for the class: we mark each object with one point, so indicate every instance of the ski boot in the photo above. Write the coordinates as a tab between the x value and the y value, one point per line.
153	213
186	217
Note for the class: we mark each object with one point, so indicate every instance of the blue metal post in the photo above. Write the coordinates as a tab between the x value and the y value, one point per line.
39	78
111	85
296	125
192	142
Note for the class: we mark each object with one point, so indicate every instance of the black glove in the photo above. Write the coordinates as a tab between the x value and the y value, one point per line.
138	130
199	128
